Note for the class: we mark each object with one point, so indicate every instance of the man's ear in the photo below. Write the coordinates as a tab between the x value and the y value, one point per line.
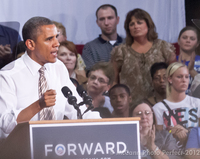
30	44
97	22
117	19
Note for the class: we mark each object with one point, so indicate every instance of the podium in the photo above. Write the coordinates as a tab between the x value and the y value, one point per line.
112	138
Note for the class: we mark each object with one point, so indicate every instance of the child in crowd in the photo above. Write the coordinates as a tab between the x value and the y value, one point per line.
120	99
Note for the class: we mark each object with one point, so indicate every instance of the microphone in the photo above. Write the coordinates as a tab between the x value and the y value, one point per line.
86	98
71	100
68	94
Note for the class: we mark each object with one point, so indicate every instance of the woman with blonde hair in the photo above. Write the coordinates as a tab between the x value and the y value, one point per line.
178	112
132	60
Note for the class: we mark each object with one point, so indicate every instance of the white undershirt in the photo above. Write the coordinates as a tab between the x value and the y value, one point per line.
112	42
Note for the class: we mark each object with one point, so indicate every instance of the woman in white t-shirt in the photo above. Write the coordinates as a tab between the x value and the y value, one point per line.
178	112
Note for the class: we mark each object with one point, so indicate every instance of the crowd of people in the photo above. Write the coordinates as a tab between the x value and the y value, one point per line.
139	76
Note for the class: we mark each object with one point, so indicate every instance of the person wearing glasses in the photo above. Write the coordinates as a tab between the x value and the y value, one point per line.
158	75
100	79
178	113
154	144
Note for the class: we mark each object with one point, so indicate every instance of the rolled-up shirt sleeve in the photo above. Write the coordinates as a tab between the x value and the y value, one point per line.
8	102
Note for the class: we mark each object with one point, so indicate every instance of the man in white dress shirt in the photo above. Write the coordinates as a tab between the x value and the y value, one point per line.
19	97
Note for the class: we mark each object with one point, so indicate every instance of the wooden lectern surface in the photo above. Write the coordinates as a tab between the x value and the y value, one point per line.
84	120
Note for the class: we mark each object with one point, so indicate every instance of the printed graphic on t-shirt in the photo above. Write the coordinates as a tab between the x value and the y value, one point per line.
187	116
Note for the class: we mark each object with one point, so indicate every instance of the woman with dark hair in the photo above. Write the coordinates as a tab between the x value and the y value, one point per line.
67	53
188	41
132	60
154	143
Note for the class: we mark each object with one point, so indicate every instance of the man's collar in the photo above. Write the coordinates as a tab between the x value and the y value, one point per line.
31	64
119	39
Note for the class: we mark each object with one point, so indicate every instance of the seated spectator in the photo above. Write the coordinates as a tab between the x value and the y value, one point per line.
120	99
100	79
193	144
63	37
67	53
158	75
8	40
5	55
9	36
188	41
178	112
19	49
152	141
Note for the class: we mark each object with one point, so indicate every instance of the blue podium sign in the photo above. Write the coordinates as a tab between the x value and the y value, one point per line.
85	140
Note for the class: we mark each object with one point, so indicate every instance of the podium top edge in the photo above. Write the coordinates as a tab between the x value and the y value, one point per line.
84	120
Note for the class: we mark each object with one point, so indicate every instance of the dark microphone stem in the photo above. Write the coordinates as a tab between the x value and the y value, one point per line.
72	100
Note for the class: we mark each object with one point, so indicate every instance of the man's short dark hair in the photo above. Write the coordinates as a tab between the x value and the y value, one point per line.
120	86
157	66
32	27
105	6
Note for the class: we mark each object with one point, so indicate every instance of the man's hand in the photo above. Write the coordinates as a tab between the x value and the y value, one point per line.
5	50
48	99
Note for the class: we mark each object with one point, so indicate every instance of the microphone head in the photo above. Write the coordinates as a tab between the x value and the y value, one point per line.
66	91
80	90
